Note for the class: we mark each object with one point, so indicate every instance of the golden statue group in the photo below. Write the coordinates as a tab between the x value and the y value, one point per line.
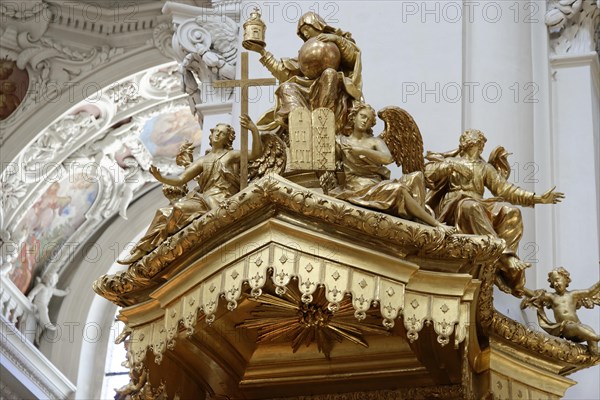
442	190
319	135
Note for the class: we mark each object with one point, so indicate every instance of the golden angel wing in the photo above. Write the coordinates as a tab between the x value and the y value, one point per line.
403	138
590	301
499	160
272	160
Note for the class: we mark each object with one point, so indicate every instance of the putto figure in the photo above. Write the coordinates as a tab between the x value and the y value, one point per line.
458	180
218	177
564	305
367	180
327	73
40	297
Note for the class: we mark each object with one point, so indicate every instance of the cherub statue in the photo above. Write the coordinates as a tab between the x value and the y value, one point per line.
331	80
458	180
217	174
564	305
367	180
40	297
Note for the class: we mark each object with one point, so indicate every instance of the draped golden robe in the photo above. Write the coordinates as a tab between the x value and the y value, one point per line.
459	201
333	89
216	183
368	185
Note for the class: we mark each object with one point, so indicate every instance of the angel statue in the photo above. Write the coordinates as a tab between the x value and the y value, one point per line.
218	177
367	180
564	305
40	297
458	180
327	73
156	232
210	45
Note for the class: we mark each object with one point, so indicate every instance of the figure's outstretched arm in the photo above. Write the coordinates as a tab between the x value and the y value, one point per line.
500	187
513	194
257	148
61	293
276	67
535	298
190	173
550	197
528	292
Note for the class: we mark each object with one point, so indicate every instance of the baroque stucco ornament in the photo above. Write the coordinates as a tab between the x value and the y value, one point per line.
83	139
53	67
574	26
207	50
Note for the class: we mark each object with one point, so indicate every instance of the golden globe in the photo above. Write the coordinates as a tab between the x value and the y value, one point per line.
316	56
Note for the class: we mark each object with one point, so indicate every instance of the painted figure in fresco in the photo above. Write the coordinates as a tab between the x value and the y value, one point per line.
29	254
47	208
11	79
40	297
327	73
459	179
169	130
367	180
217	174
564	305
8	99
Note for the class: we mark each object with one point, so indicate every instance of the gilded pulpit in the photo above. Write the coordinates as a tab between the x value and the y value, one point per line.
354	285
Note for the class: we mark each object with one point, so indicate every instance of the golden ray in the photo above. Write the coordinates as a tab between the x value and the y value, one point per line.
287	318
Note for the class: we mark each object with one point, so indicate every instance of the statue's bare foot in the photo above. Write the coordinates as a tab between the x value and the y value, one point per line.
512	272
448	230
513	263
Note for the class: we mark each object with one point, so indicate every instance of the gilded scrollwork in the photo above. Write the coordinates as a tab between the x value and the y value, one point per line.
541	343
276	193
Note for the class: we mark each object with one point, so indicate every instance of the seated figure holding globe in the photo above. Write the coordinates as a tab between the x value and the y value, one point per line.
327	73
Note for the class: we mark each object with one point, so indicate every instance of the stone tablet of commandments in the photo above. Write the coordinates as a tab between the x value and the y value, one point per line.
312	139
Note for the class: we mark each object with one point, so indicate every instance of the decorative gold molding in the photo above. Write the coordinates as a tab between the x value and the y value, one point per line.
543	344
290	318
445	392
278	197
155	323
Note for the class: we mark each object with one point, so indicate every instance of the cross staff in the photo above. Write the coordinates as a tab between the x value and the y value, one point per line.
244	83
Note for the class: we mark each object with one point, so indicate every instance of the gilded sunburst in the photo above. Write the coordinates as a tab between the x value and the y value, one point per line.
287	318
